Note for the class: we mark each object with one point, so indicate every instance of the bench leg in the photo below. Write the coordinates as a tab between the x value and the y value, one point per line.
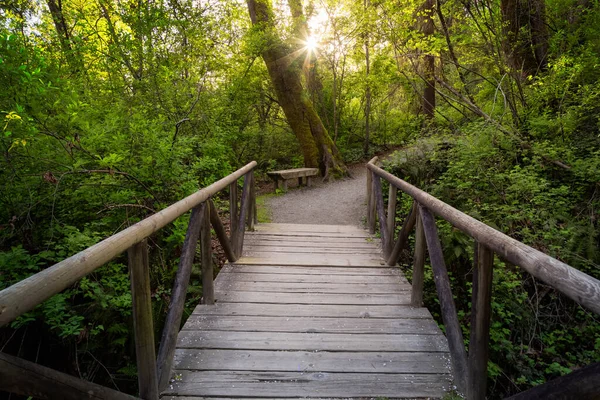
308	181
284	185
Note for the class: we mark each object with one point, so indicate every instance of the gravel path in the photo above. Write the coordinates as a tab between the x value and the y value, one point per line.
342	202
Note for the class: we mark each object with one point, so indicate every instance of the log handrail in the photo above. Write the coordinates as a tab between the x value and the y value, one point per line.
28	293
469	369
573	283
153	374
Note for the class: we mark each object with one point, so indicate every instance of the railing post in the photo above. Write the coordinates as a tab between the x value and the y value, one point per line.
177	303
401	242
371	202
142	320
391	214
233	213
252	204
458	356
208	289
221	234
416	299
238	239
480	322
385	243
369	191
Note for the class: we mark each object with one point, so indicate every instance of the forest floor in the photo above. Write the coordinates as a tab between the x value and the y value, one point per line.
341	202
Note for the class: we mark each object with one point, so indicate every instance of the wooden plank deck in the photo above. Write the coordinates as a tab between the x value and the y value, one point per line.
310	311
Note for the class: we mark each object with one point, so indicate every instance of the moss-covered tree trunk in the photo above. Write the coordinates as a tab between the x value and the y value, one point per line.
285	71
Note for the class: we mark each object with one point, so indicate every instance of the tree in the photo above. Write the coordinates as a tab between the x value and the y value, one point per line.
427	28
367	88
525	34
285	72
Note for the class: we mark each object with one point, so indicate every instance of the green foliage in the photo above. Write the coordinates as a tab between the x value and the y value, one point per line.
135	110
536	333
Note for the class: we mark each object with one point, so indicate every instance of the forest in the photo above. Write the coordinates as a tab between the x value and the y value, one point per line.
114	109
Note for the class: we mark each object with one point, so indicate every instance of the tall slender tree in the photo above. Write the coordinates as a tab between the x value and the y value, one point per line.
427	28
285	70
367	88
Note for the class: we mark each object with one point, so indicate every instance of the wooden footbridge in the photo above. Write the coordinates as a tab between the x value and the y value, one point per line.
302	311
310	311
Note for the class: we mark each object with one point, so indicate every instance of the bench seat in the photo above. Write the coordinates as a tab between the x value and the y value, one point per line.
285	174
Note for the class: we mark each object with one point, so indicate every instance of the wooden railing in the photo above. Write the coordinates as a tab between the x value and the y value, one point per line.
26	378
469	370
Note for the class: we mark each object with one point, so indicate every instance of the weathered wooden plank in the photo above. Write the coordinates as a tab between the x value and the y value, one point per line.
252	237
312	310
253	398
318	234
308	228
175	311
306	361
315	278
312	259
230	282
308	325
286	254
314	298
342	246
254	249
480	323
23	377
237	398
240	384
444	291
314	287
290	269
286	341
139	270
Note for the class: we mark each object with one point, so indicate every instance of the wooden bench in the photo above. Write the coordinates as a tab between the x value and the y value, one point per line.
284	175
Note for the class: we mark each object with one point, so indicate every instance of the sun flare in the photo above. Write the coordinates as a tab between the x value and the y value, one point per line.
311	43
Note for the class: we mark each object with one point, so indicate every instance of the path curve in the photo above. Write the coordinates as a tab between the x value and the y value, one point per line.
342	202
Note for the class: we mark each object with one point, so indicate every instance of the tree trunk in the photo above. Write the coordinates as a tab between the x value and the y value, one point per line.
61	26
285	72
525	41
367	92
427	28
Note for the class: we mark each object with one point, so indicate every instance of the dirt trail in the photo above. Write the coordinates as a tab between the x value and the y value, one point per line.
342	202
